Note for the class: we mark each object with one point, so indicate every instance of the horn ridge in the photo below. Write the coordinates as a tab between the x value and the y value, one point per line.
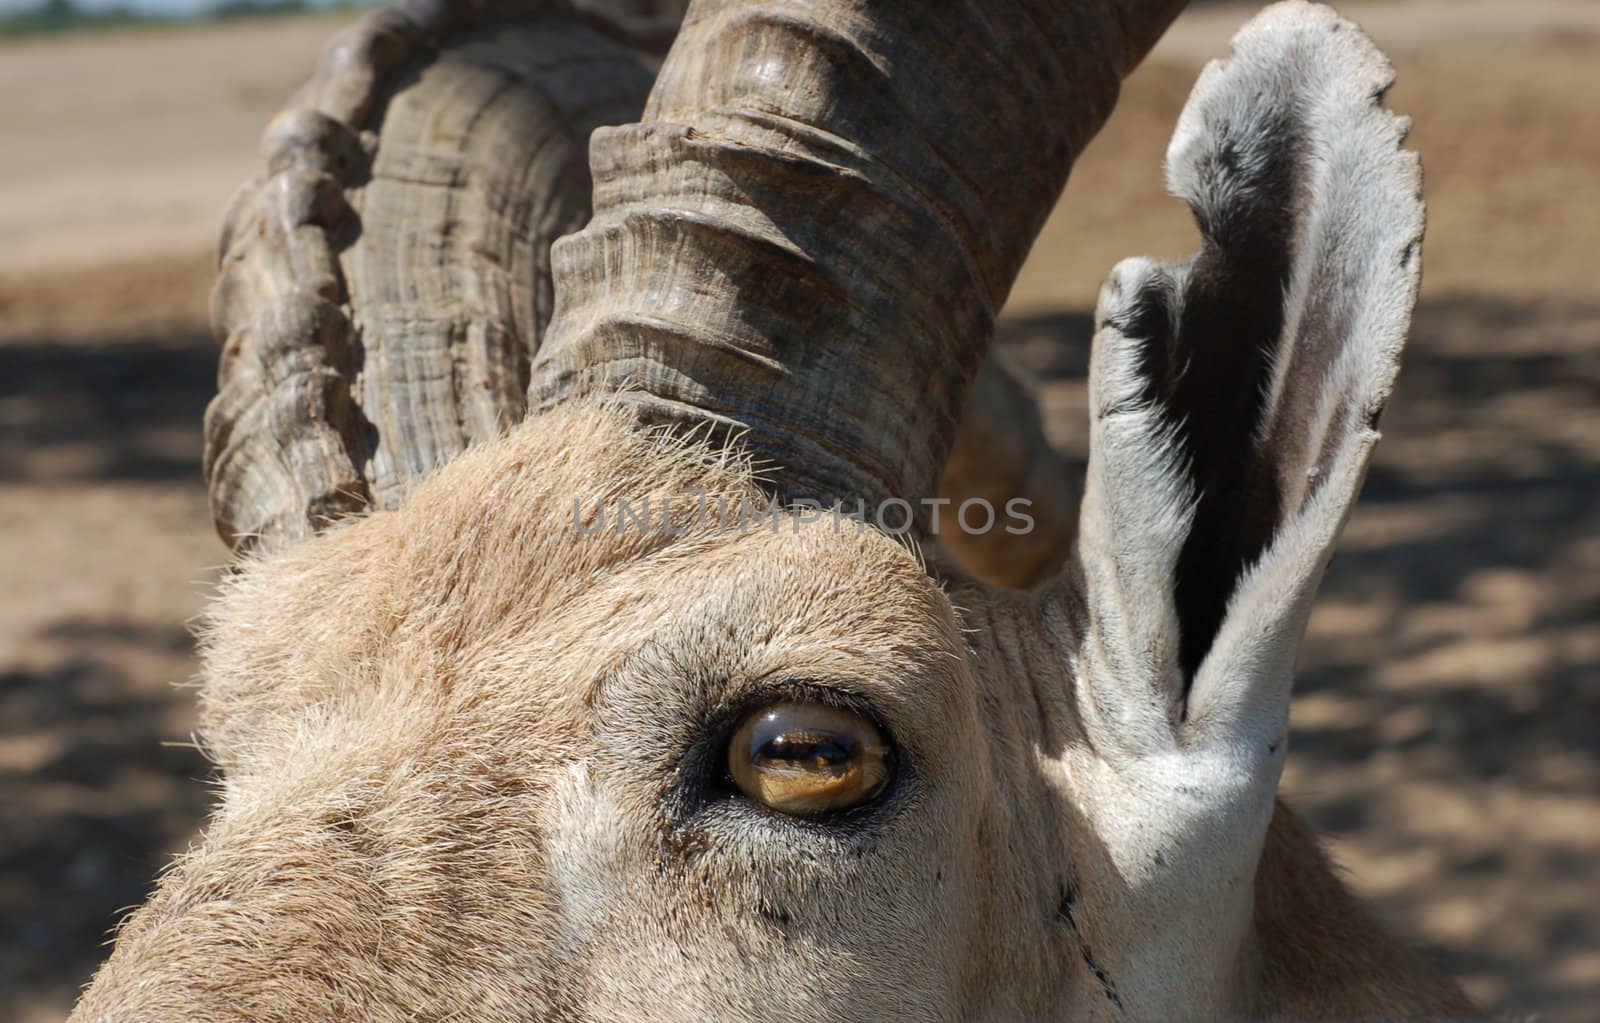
383	286
847	190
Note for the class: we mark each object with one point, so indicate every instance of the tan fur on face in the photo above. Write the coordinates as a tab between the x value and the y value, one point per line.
468	747
457	783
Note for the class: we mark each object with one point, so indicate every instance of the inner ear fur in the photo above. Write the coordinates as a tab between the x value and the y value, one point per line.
1238	392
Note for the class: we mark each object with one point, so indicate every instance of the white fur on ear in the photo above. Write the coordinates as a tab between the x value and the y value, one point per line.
1233	400
1236	395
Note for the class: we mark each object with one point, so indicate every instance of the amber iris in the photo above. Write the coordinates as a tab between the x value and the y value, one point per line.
808	758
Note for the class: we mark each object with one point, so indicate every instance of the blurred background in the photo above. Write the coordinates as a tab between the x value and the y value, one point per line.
1447	727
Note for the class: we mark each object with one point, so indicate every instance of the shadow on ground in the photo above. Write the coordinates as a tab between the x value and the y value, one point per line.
122	409
99	450
97	797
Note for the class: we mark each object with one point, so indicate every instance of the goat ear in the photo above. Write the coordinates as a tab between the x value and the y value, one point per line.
1235	396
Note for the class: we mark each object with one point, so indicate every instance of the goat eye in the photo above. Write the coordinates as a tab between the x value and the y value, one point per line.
808	758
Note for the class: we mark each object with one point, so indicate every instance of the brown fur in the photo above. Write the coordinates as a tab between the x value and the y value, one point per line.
464	745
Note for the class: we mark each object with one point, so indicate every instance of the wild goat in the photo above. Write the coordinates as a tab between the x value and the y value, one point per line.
486	760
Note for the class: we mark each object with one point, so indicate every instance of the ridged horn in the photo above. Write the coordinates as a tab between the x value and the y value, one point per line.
808	238
383	287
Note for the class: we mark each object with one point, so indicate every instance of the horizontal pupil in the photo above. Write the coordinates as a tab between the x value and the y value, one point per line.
817	751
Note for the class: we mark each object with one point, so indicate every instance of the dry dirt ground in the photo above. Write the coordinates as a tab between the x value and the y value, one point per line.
1448	724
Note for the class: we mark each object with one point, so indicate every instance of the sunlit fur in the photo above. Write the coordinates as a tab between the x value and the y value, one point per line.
472	752
465	751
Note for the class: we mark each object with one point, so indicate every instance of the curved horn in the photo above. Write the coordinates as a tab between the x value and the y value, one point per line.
811	232
384	287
